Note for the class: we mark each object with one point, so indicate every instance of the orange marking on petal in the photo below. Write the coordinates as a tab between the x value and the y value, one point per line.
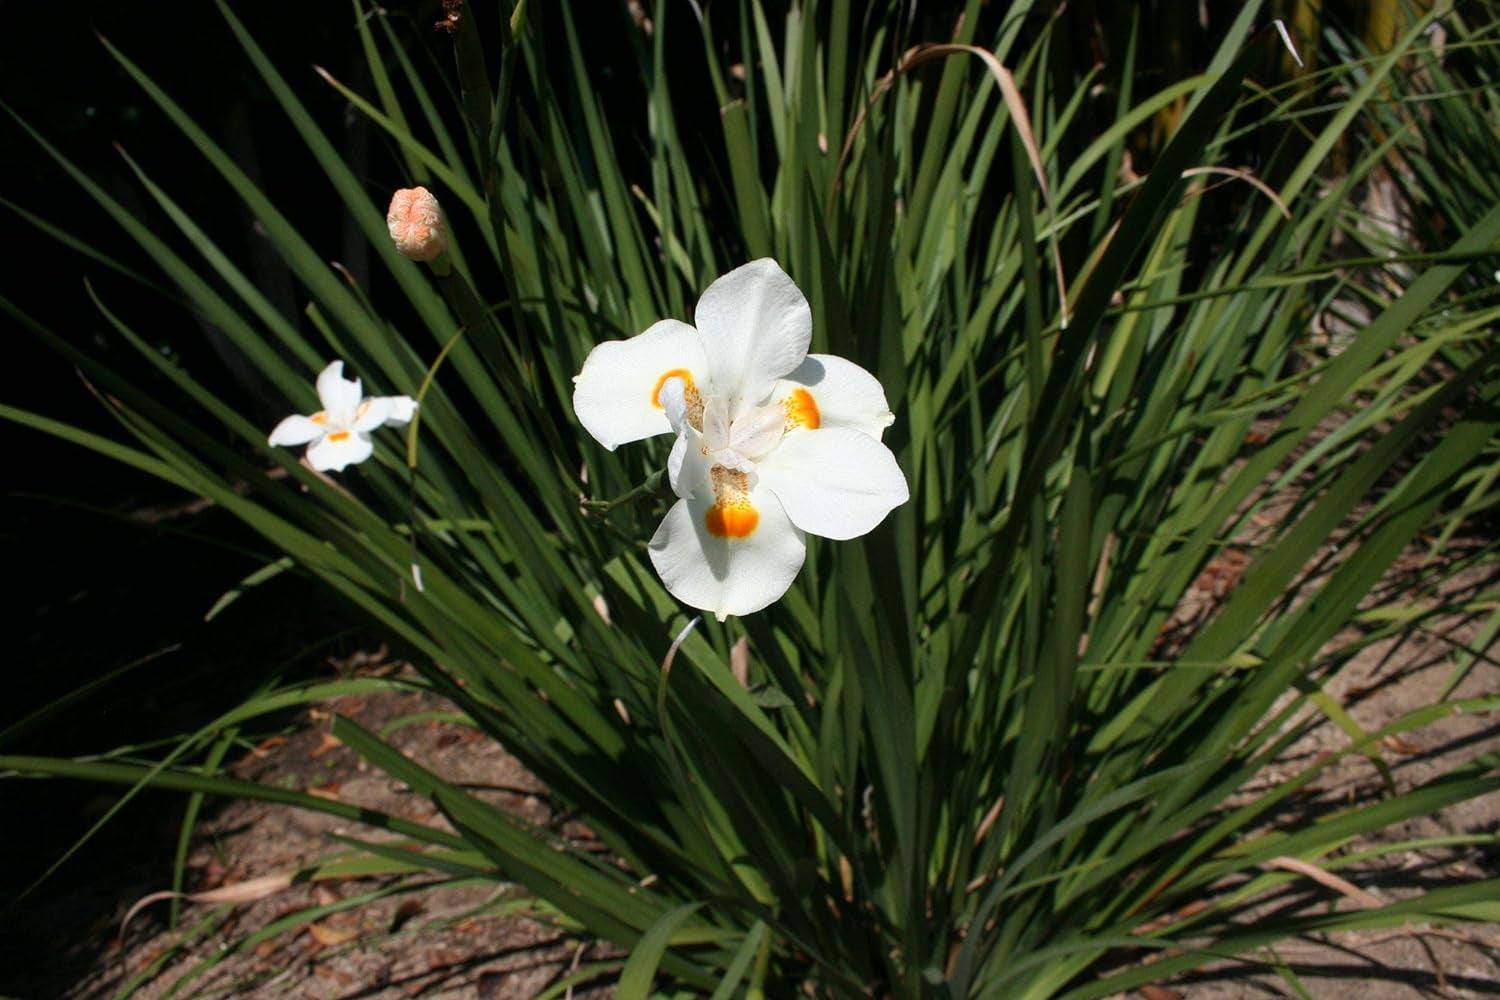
735	521
339	436
319	418
682	373
732	515
801	410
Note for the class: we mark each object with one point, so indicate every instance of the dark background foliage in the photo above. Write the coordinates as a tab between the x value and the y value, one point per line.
110	567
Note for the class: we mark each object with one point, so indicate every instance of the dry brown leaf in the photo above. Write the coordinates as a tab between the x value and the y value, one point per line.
330	936
265	746
1159	993
989	820
238	892
247	891
329	790
1397	744
1363	897
1191	909
326	742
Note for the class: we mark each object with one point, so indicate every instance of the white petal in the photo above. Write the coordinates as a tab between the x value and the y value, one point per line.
403	408
296	430
339	449
756	327
835	482
716	423
681	485
615	396
376	411
757	432
728	576
673	400
843	394
371	413
339	396
688	466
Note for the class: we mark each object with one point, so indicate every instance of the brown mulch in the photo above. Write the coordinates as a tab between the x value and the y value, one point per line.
419	937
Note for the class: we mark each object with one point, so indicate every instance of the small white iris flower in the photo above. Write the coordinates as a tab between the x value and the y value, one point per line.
772	442
338	435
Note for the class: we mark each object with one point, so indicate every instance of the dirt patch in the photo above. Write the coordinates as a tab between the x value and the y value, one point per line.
384	937
1381	683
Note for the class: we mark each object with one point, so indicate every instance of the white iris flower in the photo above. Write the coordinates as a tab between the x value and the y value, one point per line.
772	441
338	435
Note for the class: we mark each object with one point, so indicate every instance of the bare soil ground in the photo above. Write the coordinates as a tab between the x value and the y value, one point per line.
1382	683
380	938
1378	685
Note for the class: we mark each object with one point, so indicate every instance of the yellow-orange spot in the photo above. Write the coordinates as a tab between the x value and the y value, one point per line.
737	521
801	410
682	373
319	418
339	436
732	515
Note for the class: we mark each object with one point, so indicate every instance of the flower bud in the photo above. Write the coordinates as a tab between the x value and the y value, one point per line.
416	223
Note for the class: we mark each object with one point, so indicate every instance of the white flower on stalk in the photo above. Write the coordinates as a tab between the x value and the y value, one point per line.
338	435
415	222
772	441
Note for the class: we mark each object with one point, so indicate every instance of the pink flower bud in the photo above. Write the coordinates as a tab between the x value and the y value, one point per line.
416	223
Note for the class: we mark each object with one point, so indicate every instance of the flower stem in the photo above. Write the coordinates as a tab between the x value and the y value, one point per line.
656	483
473	77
